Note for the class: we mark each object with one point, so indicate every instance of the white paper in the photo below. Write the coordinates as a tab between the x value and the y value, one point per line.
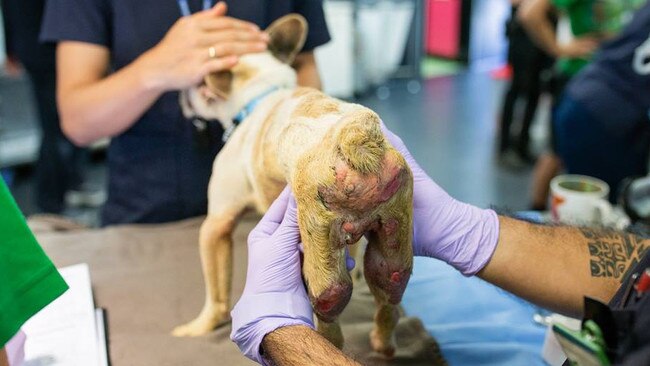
65	333
102	350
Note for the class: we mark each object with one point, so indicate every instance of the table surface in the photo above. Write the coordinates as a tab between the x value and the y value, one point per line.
149	280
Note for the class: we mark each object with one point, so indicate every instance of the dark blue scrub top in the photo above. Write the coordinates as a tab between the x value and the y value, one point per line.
615	86
156	171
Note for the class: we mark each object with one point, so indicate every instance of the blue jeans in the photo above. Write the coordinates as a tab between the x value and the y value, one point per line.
610	151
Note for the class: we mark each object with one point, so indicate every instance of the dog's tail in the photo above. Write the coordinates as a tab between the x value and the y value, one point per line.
361	142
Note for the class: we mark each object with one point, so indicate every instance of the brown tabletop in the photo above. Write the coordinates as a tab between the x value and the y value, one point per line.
148	278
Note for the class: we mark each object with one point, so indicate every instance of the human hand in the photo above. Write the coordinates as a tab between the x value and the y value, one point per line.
197	45
15	349
12	67
274	295
580	47
460	234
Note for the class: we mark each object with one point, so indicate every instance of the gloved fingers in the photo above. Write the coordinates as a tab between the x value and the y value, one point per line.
273	216
424	188
288	232
395	140
399	145
278	208
349	261
290	219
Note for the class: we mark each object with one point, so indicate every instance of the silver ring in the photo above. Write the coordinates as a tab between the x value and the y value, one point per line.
212	52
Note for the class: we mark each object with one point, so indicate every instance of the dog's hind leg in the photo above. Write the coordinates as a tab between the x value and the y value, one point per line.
388	263
331	331
215	243
229	195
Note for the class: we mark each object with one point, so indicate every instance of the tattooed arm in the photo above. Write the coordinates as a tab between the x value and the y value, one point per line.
556	266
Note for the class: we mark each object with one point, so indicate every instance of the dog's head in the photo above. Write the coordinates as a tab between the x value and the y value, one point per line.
222	94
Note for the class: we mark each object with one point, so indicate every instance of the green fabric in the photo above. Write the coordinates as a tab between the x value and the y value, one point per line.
28	279
599	18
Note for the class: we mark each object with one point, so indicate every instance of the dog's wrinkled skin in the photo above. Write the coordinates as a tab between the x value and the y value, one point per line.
347	179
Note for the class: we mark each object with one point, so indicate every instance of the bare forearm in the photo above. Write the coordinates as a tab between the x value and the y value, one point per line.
107	107
93	105
557	266
307	70
301	345
534	16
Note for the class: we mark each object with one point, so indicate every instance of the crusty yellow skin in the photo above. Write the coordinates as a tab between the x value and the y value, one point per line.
324	262
348	181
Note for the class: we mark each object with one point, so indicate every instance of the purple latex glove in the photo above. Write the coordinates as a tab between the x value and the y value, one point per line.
15	349
460	234
274	295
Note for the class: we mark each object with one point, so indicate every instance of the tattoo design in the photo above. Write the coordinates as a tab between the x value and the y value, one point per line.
612	253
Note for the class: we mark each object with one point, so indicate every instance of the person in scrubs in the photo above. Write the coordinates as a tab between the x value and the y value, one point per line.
120	65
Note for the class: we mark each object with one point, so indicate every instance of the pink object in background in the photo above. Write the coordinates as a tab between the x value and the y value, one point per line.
16	349
442	28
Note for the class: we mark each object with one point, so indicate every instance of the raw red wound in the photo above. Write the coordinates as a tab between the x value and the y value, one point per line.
395	277
390	226
332	301
391	188
357	193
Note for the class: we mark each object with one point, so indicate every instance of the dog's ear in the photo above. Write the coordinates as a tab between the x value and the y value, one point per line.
220	83
288	35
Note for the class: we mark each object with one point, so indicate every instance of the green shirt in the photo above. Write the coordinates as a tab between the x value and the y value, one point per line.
599	18
28	279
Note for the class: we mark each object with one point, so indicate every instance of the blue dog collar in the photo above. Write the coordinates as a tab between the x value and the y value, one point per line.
245	112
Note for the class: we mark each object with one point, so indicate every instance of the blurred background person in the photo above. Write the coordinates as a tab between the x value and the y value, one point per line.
601	121
119	77
59	168
591	22
528	64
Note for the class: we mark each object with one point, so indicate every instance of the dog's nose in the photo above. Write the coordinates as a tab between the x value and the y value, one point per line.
332	301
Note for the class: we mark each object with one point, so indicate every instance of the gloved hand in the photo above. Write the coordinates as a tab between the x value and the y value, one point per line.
15	349
274	295
460	234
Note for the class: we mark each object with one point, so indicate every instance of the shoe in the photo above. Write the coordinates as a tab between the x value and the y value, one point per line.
85	196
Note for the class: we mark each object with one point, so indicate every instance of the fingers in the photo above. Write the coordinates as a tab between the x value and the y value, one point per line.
390	136
224	49
219	9
276	212
581	47
212	23
228	36
233	35
290	220
282	215
219	64
399	145
349	261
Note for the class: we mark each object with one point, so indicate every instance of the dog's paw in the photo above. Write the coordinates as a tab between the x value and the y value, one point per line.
200	326
383	345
